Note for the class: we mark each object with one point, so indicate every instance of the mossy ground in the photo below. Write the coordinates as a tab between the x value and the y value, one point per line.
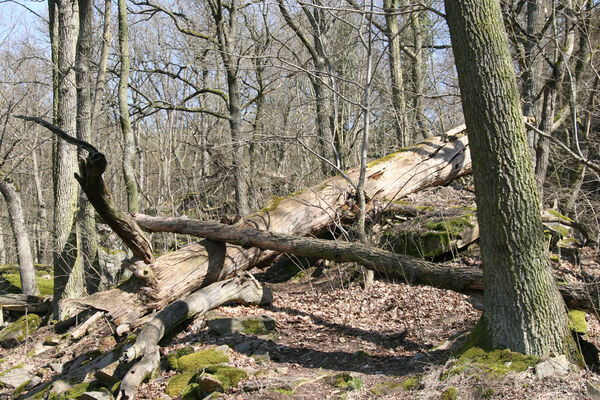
577	321
10	280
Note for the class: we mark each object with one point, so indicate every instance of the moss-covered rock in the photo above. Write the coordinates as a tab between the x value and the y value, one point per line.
251	325
496	362
432	234
411	383
228	376
173	357
178	383
577	321
201	359
19	330
344	381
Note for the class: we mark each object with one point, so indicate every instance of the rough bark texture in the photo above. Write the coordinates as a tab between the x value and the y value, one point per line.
86	219
128	140
392	33
68	276
524	310
17	222
244	290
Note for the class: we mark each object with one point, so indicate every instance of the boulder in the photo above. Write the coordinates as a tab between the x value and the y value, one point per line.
252	325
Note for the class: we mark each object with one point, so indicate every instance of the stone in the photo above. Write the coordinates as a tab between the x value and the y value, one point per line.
16	376
248	346
36	380
108	375
253	325
40	348
57	367
95	395
554	366
209	383
18	331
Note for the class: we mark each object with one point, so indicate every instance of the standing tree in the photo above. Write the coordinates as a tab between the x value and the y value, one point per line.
523	308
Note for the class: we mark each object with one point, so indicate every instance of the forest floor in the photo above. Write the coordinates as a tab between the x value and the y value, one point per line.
392	342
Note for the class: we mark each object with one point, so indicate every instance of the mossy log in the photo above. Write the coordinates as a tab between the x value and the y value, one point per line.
242	289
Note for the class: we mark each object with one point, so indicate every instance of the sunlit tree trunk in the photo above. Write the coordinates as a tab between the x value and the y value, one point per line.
17	222
523	308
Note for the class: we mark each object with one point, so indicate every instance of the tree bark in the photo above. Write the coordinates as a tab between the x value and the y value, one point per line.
523	307
68	275
128	140
17	222
86	217
392	33
42	217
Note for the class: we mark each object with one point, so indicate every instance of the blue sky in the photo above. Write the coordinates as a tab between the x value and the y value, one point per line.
18	20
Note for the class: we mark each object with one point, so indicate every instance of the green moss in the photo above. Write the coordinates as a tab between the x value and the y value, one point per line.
386	158
411	383
21	388
72	393
178	383
559	215
385	388
286	392
228	376
200	360
273	204
21	328
172	358
555	258
12	277
479	337
254	326
345	381
577	321
2	360
450	394
496	362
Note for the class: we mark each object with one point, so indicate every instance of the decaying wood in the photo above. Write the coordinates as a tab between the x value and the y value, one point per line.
429	163
243	289
83	328
456	277
24	303
92	183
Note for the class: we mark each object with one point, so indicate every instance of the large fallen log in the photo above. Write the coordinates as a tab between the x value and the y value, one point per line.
456	277
243	289
170	277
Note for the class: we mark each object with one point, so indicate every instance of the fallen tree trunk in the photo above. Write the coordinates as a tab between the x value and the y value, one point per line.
456	277
170	277
242	289
24	303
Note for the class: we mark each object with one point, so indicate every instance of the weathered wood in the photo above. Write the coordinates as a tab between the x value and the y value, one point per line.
452	276
24	303
430	163
242	289
83	328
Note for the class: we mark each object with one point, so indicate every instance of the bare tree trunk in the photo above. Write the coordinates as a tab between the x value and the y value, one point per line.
86	218
42	217
101	77
17	222
417	75
392	32
128	140
523	307
2	247
68	275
